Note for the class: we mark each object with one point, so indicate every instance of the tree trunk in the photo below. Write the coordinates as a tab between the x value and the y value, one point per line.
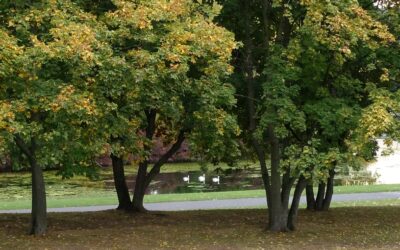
39	213
124	199
311	204
278	219
143	178
249	67
301	184
320	196
140	185
329	191
278	213
263	166
140	188
39	206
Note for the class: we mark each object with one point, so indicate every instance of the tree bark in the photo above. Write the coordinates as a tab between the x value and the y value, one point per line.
301	184
124	199
320	196
329	191
39	206
324	195
287	184
264	170
311	204
140	189
140	184
39	211
278	213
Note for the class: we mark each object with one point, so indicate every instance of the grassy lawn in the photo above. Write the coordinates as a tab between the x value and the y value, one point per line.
340	228
15	192
98	197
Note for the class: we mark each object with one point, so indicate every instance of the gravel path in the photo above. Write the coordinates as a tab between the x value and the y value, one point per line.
217	204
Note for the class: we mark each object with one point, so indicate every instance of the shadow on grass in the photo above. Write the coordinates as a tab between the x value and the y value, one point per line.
357	227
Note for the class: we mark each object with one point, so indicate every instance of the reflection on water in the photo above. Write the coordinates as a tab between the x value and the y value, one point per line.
229	180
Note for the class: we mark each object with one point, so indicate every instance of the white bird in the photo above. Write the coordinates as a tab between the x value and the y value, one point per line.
202	178
186	179
216	179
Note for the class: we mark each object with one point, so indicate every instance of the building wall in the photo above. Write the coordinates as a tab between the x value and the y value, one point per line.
387	167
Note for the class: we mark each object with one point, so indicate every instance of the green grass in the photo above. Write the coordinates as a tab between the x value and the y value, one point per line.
367	189
15	190
92	198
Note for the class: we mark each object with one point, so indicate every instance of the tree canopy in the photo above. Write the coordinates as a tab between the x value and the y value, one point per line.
304	86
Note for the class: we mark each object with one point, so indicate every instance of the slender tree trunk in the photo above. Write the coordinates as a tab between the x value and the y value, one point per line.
329	191
140	184
311	204
287	184
249	66
39	211
266	9
140	188
39	206
264	170
124	199
324	195
301	184
278	213
320	196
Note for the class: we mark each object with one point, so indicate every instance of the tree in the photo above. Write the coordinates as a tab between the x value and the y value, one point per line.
380	116
49	52
168	80
292	61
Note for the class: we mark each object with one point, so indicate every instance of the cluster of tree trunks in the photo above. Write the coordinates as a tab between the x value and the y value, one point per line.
277	188
322	201
144	176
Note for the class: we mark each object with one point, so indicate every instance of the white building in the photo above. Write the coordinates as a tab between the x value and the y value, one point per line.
386	167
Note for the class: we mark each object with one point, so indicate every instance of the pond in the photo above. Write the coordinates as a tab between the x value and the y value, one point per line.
229	180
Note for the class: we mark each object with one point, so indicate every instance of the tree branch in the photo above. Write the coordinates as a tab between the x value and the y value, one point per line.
157	166
288	127
22	146
266	18
150	128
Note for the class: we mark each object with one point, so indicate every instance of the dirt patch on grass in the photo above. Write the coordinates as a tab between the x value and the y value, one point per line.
340	228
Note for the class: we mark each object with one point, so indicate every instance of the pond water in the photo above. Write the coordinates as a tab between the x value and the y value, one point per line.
229	180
